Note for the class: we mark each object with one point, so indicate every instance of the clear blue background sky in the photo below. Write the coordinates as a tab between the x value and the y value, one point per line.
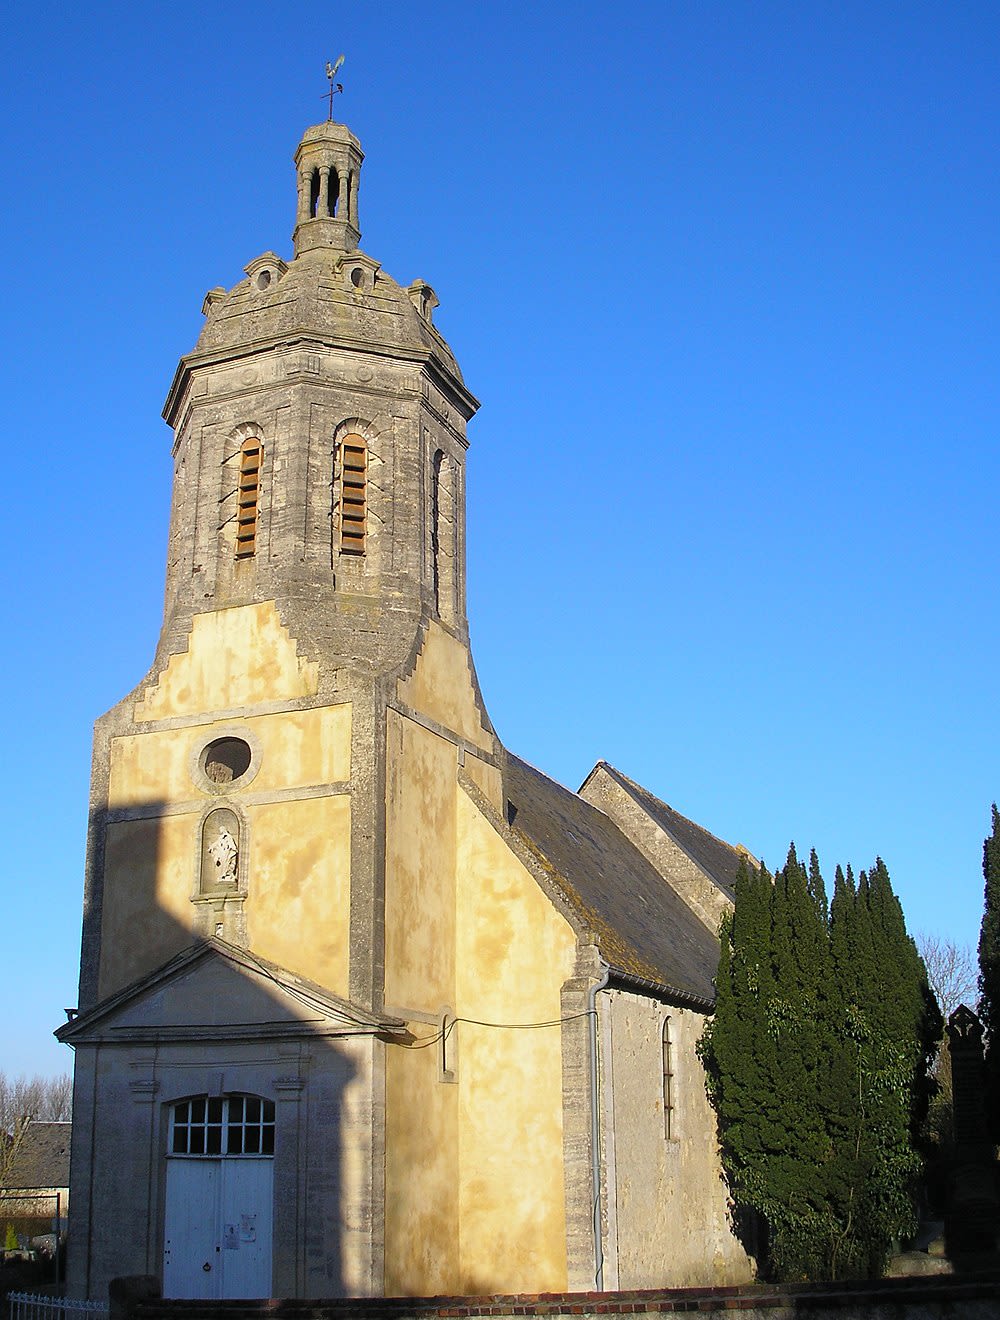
725	278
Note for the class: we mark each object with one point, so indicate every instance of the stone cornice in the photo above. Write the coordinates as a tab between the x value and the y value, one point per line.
426	358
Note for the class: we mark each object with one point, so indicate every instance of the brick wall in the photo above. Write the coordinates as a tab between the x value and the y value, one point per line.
939	1298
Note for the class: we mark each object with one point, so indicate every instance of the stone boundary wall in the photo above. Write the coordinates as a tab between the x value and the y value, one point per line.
938	1298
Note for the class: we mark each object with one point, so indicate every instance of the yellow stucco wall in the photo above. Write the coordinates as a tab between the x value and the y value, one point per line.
669	1197
298	906
487	779
474	1177
295	854
421	775
422	1173
441	687
149	870
514	953
422	1158
236	657
298	749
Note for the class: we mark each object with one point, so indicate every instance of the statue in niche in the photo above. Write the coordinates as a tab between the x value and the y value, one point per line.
225	855
220	850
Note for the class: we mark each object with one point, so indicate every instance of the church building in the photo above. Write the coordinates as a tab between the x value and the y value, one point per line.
368	1005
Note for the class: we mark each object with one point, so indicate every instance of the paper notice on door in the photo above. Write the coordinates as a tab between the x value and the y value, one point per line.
230	1238
248	1228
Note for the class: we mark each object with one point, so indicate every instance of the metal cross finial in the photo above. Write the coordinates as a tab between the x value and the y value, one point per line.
331	73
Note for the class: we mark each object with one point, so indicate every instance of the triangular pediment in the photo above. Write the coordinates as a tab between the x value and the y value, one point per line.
215	991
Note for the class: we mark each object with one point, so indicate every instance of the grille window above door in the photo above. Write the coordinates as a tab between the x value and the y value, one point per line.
222	1125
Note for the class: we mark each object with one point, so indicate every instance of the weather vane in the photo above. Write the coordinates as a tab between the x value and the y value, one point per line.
335	87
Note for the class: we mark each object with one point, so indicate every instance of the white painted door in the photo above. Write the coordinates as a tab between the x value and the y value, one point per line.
217	1239
247	1192
190	1264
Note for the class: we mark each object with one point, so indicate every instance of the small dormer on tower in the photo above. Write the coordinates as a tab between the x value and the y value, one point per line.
327	167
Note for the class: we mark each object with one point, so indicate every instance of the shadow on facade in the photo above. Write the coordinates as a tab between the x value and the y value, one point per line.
221	1135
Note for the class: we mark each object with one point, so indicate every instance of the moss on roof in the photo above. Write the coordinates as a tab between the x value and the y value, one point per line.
643	929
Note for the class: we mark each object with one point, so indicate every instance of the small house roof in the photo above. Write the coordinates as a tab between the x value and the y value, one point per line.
41	1156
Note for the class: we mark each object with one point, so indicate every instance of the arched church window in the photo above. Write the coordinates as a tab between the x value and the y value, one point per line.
669	1121
222	1125
314	194
251	458
353	494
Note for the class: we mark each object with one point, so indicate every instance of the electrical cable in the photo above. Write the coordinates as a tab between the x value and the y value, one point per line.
453	1022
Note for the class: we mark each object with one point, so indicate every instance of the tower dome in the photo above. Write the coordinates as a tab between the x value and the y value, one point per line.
328	166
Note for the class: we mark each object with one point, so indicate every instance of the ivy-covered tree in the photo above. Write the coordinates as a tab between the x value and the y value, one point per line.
989	972
817	1061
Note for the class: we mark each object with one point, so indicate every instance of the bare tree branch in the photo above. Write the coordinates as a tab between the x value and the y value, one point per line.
45	1098
951	970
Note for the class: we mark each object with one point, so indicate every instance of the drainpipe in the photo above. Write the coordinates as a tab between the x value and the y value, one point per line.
595	1126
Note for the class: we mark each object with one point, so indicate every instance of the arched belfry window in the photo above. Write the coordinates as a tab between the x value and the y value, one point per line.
443	534
248	499
436	524
314	194
669	1118
353	494
222	1125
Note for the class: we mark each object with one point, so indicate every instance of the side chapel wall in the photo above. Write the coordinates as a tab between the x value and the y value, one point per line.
668	1223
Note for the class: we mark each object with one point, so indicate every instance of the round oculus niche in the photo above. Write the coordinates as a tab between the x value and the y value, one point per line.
225	761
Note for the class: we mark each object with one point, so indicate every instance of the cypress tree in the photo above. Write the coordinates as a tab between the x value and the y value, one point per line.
989	972
738	1051
806	1243
846	1120
821	1036
891	1025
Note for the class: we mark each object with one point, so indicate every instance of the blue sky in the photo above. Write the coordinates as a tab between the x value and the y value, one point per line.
725	279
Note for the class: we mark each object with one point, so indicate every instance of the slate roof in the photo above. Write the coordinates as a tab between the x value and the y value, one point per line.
717	858
41	1157
643	929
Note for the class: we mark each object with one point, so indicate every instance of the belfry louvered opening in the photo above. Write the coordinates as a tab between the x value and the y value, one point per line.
251	457
353	494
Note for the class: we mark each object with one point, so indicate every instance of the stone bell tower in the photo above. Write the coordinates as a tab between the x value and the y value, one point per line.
317	531
272	858
320	437
352	974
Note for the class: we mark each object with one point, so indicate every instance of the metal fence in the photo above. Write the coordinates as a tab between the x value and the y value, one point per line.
34	1306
